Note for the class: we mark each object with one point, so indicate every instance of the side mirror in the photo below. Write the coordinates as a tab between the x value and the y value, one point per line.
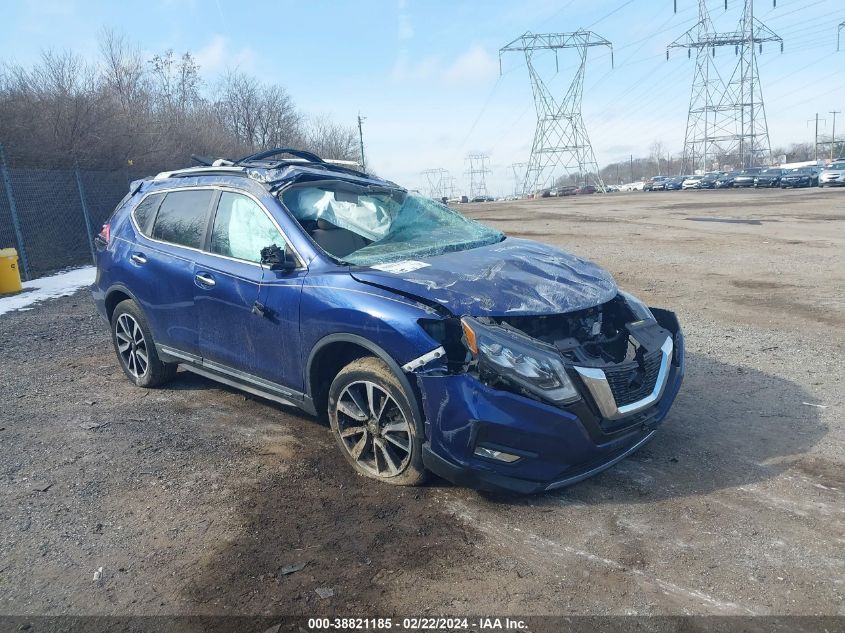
276	258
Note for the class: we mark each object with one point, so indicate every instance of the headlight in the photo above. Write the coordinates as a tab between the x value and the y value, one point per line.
640	310
519	360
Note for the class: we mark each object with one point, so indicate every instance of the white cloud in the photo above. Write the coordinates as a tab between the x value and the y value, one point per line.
216	56
474	66
406	29
406	70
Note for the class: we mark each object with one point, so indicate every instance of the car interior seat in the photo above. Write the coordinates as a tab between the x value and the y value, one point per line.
335	240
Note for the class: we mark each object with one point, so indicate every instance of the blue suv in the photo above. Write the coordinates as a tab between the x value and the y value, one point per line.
428	341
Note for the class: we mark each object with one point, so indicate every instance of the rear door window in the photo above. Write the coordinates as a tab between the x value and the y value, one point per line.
183	217
145	212
242	228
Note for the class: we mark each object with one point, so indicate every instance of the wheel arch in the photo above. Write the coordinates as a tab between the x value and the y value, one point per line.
115	295
333	352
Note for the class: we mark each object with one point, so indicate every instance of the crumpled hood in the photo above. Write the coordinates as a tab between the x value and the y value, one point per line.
512	278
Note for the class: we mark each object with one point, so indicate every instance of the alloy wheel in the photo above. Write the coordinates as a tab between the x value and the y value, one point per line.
374	430
131	345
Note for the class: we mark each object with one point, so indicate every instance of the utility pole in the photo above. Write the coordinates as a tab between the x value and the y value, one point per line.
833	133
561	145
816	139
839	35
361	120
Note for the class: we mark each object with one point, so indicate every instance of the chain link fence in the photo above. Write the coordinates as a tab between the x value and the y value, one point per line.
51	216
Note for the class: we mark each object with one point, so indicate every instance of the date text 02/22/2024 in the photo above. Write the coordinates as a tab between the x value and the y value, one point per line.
415	624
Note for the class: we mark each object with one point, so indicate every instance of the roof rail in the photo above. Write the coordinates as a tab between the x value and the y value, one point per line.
207	161
298	153
203	170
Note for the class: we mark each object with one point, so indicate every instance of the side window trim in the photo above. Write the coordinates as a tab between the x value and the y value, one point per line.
147	231
301	265
211	216
288	245
214	195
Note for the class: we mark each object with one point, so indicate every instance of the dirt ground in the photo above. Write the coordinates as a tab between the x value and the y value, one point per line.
194	499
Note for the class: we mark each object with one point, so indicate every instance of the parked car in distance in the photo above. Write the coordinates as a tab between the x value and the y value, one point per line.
655	183
568	190
746	177
800	177
429	341
768	177
833	175
675	184
692	182
708	181
725	180
585	190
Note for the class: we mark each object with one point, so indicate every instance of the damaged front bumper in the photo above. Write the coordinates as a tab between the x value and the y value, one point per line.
482	437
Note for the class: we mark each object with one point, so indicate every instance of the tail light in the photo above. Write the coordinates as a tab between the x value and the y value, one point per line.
104	234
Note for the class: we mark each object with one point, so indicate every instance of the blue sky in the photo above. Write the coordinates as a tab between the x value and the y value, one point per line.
426	73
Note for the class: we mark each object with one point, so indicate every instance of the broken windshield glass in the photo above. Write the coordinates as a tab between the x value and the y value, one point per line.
366	226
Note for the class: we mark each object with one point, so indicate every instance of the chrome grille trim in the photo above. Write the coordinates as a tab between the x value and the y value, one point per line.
596	382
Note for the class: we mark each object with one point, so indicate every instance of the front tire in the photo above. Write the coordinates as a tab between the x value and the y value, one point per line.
135	347
374	423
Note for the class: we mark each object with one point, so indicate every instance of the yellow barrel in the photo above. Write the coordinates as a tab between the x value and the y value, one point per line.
10	276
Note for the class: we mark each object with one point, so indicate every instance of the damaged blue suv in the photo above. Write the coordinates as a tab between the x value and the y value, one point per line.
429	341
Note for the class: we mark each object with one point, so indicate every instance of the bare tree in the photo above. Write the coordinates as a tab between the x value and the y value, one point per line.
149	111
658	152
258	115
331	140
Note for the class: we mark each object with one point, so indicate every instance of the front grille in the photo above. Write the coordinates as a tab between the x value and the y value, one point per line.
630	382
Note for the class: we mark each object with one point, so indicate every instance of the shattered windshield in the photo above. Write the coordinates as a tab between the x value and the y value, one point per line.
373	225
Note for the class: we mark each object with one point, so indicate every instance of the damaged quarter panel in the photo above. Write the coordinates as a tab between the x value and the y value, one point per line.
337	304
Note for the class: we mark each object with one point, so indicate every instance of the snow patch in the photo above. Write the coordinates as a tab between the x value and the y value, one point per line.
38	290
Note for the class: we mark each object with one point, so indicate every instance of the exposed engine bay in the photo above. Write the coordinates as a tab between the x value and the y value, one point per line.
529	354
608	334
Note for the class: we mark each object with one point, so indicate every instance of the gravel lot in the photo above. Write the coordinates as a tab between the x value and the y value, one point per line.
196	499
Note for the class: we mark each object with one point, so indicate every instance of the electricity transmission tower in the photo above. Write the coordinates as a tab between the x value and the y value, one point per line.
438	181
477	172
726	119
561	144
518	170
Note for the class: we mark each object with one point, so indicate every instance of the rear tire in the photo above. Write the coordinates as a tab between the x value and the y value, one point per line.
374	424
135	348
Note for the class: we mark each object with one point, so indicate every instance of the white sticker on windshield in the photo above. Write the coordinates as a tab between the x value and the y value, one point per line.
408	266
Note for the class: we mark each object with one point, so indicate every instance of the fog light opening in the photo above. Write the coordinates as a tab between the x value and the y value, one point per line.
499	456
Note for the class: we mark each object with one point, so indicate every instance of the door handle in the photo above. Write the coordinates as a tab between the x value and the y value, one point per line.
139	258
204	279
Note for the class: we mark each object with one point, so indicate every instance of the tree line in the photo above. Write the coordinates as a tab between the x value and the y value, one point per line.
148	112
